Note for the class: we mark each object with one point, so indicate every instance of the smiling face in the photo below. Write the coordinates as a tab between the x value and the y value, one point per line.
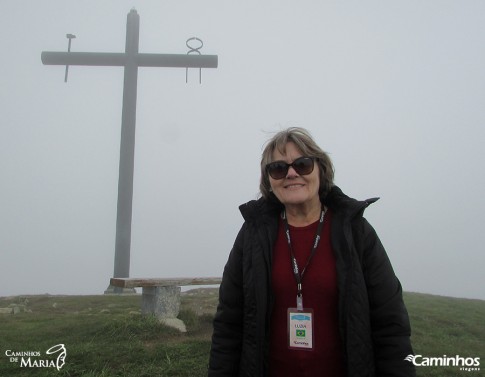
296	190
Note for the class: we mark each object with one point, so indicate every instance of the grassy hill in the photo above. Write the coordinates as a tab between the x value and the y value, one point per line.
107	336
447	326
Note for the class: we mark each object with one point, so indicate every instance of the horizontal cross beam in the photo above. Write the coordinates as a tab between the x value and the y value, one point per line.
120	59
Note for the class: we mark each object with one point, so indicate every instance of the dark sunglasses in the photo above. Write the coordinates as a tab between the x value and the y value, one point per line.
279	169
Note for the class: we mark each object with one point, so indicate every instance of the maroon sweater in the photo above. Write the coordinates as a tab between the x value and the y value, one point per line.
319	293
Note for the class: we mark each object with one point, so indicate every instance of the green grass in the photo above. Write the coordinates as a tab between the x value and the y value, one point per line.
106	335
447	326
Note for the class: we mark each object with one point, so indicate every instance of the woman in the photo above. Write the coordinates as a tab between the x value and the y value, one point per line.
308	289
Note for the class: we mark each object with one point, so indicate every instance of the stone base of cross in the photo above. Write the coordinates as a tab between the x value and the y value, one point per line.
131	59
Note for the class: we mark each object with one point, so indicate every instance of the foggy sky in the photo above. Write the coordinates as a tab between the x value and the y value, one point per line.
393	91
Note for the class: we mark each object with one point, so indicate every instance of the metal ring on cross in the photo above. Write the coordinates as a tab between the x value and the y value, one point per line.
194	48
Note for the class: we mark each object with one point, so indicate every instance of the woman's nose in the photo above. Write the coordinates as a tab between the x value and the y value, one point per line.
291	172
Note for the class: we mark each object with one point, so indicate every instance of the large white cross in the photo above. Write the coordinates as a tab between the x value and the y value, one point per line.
131	59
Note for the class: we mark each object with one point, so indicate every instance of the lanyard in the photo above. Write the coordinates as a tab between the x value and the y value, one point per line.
294	263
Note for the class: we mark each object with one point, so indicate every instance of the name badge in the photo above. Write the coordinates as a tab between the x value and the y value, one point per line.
300	329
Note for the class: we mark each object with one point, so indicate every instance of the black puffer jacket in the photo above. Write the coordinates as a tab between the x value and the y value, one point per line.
373	320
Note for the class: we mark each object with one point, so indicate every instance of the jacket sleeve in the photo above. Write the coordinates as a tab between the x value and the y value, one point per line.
390	324
226	345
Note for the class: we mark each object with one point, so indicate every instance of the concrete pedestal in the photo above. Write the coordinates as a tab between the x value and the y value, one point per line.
163	302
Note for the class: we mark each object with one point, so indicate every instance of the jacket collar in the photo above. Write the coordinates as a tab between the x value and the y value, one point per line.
336	200
255	210
347	206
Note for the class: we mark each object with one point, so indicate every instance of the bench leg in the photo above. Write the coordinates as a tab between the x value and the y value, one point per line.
163	302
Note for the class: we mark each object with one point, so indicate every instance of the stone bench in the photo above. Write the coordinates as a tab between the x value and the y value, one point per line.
161	297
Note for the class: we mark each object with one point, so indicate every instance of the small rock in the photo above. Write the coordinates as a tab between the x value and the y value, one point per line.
6	310
17	308
175	323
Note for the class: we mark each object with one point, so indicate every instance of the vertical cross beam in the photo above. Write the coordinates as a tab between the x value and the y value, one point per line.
130	60
127	149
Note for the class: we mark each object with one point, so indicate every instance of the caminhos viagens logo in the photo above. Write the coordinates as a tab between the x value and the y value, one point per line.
467	364
35	359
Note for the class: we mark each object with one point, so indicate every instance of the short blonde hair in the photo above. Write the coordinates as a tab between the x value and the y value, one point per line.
307	146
